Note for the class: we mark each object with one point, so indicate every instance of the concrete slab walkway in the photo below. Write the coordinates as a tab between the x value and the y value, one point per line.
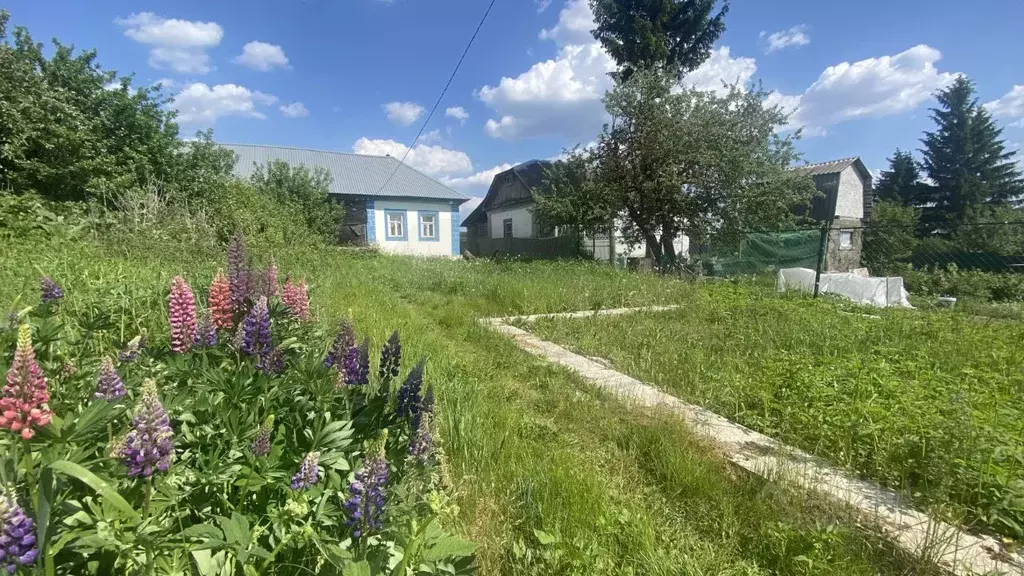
912	530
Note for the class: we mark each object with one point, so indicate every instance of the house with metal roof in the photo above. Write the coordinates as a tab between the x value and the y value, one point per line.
387	203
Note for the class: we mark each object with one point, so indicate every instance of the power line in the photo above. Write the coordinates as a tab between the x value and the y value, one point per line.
439	98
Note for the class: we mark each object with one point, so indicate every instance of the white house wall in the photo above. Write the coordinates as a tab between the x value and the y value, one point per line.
522	221
850	203
443	246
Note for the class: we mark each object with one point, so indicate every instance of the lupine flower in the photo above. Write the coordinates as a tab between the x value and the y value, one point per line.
206	330
256	330
426	408
423	441
309	472
149	445
345	339
365	504
238	273
68	369
390	358
220	303
181	311
272	362
356	366
268	283
50	289
261	444
25	395
131	350
17	534
109	385
296	299
408	402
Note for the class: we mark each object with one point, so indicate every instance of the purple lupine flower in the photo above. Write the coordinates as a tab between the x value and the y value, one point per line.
309	472
206	330
109	385
261	444
50	289
408	402
268	280
390	358
238	273
356	366
365	504
149	445
423	441
131	350
256	329
272	362
17	534
426	408
345	339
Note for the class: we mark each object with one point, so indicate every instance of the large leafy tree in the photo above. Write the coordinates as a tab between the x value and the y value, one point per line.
306	191
685	161
901	183
966	159
675	36
571	196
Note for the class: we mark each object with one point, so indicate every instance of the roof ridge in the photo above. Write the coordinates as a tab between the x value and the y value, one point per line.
836	161
307	150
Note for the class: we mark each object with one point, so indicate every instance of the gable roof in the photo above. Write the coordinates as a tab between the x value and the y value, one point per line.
352	174
510	187
826	180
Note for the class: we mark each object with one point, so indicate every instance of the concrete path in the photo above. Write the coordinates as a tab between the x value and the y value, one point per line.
914	531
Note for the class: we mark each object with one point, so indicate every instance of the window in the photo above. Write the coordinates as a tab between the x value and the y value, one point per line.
428	226
395	221
506	226
846	239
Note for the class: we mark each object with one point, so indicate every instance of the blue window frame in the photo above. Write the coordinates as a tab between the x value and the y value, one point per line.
395	225
430	224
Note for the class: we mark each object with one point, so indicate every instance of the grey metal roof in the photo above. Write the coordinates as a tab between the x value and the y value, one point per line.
353	174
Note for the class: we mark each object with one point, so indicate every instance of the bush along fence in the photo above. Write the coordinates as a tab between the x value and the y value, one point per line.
231	444
983	261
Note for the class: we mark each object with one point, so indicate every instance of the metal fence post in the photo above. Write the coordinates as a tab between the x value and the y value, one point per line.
822	244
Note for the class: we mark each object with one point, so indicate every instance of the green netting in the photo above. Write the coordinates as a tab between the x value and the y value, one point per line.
762	252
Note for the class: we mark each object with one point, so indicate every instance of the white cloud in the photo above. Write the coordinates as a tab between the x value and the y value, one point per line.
430	137
262	56
795	36
431	160
871	87
575	22
166	83
403	113
457	112
720	70
468	206
541	5
198	103
1010	106
477	183
176	44
294	110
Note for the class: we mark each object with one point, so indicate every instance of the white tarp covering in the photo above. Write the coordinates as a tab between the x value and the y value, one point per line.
881	292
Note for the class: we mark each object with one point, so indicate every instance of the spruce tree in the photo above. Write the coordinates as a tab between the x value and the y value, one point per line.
901	183
966	159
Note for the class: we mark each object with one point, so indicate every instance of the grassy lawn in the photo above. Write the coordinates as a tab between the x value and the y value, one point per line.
928	402
547	475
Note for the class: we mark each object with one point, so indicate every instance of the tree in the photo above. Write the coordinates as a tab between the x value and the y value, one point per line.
675	36
686	161
901	183
891	237
571	197
966	159
304	190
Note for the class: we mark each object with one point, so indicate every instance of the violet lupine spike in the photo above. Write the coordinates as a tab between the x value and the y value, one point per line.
25	396
356	366
423	441
268	282
17	535
408	401
309	472
238	273
50	289
390	358
272	362
109	385
256	330
206	330
181	312
345	339
261	444
149	445
365	504
426	408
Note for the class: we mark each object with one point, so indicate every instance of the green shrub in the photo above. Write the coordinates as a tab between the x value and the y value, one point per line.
952	281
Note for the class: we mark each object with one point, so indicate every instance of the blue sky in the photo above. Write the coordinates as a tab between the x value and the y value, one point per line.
360	75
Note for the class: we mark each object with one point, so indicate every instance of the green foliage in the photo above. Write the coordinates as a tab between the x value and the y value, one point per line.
891	238
673	36
970	284
571	198
304	191
901	183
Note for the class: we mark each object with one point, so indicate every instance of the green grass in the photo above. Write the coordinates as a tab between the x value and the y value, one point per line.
548	475
928	402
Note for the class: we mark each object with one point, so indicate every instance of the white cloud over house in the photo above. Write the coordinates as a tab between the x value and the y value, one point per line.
792	38
457	112
198	103
262	56
178	45
433	161
294	110
403	113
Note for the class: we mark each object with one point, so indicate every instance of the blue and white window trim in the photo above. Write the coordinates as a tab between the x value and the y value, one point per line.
395	225
429	228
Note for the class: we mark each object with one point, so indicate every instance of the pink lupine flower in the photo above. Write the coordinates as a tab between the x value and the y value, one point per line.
296	298
23	404
181	308
220	303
